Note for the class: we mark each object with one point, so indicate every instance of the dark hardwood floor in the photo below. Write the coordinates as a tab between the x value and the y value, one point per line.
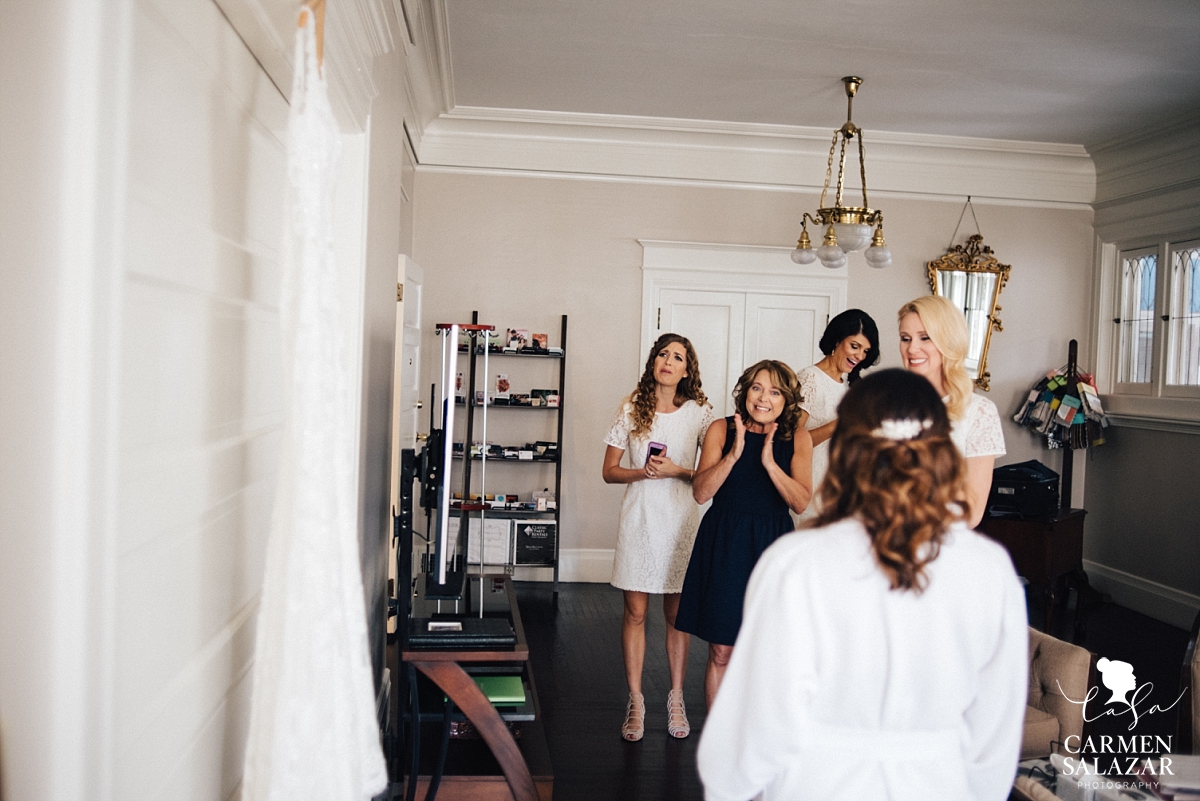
576	659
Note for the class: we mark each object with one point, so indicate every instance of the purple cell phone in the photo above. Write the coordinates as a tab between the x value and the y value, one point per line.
655	449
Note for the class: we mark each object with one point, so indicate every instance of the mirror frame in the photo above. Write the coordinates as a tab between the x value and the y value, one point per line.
975	257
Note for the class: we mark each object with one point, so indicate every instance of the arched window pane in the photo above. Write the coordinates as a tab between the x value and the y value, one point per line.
1136	317
1183	328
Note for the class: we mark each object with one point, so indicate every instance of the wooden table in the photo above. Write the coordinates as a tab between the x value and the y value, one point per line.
1048	552
445	669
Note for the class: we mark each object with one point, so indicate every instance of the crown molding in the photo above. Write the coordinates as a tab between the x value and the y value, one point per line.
753	154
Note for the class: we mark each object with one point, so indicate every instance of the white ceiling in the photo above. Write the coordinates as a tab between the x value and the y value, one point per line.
1071	71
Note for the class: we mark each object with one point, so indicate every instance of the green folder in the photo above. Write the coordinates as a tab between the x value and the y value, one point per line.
502	690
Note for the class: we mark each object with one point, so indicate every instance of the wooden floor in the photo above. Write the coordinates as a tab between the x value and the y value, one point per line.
575	655
576	659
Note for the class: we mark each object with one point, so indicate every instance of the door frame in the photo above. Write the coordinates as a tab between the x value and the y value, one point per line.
758	269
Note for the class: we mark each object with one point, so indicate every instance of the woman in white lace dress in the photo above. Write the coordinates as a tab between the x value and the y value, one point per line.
850	344
658	515
933	343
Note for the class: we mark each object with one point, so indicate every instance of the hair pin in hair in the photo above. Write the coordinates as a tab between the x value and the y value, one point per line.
899	430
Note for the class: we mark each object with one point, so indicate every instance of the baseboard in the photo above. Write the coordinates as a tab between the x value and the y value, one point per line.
588	565
1152	599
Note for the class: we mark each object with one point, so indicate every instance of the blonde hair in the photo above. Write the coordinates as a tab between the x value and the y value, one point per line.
947	328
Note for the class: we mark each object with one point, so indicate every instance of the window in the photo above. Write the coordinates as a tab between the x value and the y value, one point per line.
1157	339
1135	337
1183	317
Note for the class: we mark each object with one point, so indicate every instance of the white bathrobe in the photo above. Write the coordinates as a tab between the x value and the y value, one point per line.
841	688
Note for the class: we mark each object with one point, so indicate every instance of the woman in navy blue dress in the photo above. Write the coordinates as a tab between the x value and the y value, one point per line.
755	466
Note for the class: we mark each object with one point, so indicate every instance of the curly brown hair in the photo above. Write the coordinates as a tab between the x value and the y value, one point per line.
644	398
785	379
906	491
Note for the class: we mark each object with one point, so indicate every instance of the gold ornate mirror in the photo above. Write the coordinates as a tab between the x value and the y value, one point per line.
971	278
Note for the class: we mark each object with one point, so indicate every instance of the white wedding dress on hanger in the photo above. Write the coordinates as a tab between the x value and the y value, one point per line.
313	731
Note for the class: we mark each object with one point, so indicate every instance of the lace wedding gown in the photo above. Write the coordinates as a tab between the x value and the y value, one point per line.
313	732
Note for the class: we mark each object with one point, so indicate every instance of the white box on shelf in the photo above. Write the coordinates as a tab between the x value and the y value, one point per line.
497	540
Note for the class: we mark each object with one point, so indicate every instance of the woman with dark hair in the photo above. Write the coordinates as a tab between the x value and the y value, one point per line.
850	344
755	467
659	426
883	653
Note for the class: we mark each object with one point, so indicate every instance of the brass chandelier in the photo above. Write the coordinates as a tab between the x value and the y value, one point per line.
848	229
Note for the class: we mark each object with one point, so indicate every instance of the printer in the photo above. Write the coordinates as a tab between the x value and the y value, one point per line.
1022	491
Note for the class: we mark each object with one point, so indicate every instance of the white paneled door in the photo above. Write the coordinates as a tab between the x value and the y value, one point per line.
715	322
732	330
784	327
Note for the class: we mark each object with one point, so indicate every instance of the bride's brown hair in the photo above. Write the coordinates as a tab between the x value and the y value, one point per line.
643	398
892	466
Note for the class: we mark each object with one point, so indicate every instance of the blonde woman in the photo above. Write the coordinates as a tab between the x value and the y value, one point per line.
933	343
659	426
882	653
755	466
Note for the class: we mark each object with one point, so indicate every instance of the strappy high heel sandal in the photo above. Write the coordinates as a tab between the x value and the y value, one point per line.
677	722
635	718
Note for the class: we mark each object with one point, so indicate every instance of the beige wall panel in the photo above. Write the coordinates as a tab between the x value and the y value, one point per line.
524	249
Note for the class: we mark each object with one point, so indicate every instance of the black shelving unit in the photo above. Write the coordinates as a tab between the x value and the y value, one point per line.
472	407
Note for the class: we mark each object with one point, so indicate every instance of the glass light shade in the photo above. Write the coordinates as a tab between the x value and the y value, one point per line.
828	253
852	237
804	255
835	263
878	256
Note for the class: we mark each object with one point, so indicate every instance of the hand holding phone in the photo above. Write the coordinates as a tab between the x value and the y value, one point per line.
655	449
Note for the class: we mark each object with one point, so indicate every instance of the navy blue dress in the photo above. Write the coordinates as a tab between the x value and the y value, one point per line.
747	515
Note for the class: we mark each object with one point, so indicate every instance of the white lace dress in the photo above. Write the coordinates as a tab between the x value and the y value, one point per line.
821	396
659	517
978	432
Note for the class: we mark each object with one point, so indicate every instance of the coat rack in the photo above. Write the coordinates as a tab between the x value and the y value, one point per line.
1065	408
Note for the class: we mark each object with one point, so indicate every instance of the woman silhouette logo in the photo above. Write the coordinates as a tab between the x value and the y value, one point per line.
1118	677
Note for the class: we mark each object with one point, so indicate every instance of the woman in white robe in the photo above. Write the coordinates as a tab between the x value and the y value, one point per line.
882	653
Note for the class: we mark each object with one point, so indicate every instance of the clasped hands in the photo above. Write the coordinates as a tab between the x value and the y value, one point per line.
768	452
663	467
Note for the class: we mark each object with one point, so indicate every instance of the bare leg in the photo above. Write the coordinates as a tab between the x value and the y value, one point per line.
633	637
677	642
718	660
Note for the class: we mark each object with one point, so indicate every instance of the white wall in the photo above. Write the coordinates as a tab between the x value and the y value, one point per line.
143	174
525	249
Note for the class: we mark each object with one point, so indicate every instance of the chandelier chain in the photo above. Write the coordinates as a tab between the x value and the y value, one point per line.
862	165
841	173
829	168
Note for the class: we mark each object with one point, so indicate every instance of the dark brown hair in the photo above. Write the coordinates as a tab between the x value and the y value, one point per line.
644	398
892	465
782	377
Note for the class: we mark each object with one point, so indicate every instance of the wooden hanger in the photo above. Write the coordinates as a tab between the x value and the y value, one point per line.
317	9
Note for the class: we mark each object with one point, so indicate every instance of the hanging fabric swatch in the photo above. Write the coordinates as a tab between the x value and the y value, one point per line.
1067	413
313	731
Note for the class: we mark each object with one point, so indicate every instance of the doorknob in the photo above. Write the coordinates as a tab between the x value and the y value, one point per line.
422	437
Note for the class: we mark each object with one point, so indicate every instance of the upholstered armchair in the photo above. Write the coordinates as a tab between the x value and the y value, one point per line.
1189	685
1049	717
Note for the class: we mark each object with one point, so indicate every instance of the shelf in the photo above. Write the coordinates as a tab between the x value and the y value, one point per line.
459	457
479	352
526	406
513	513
